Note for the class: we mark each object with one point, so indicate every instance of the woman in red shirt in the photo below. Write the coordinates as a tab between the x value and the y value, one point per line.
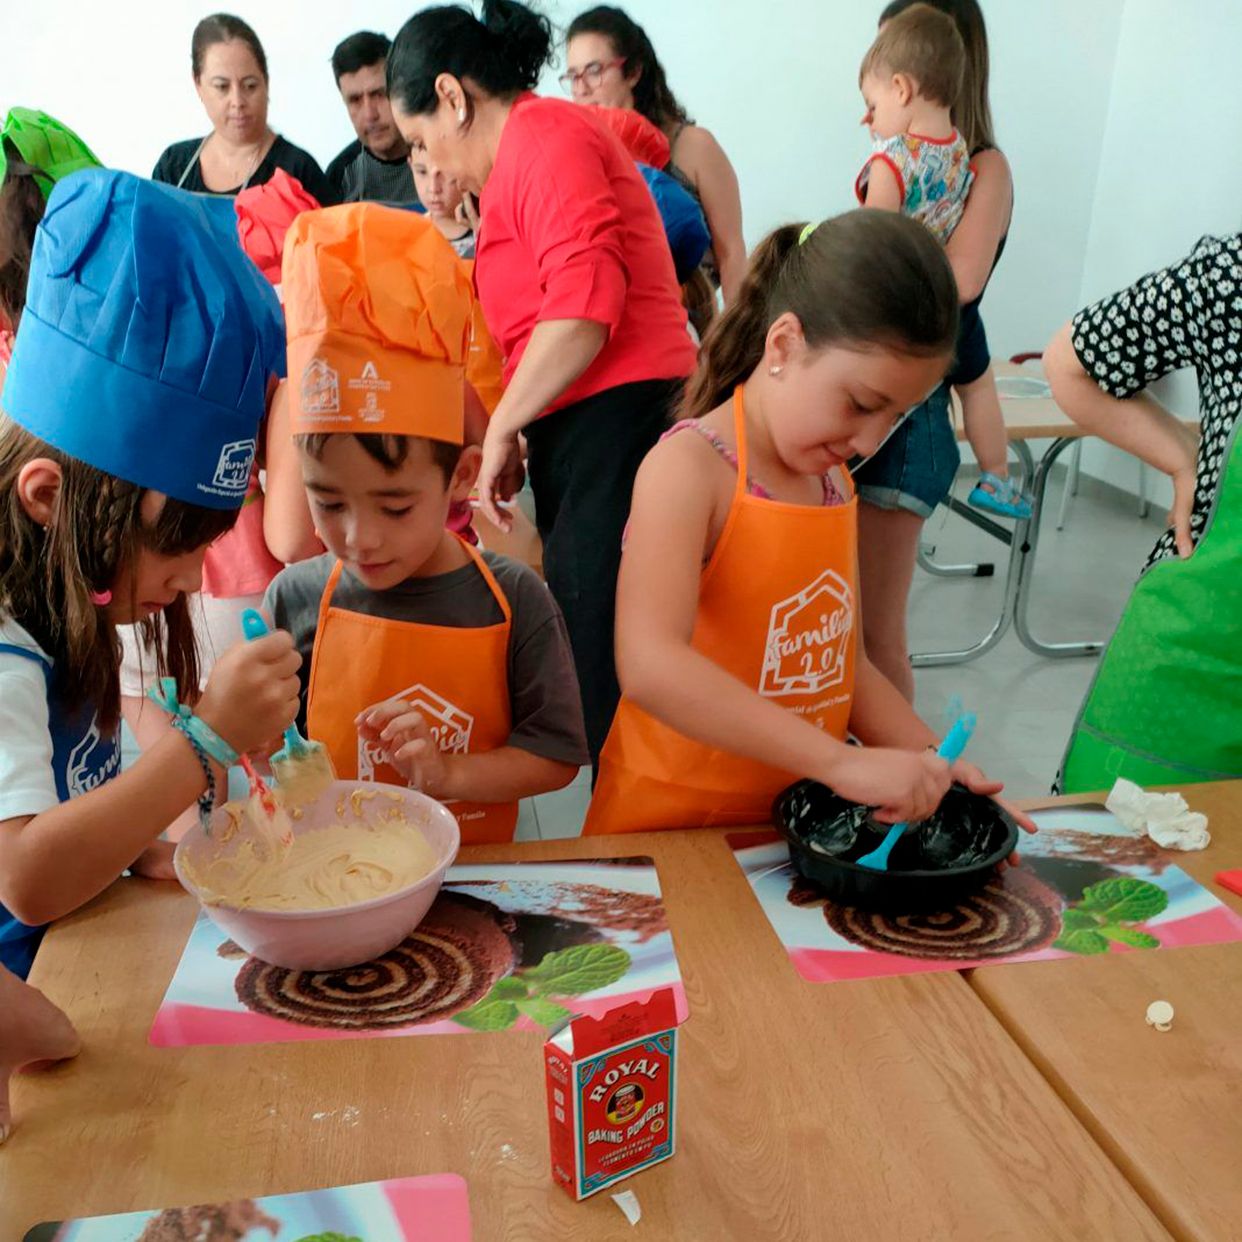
578	288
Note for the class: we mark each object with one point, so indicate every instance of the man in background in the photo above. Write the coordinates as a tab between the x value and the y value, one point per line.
373	168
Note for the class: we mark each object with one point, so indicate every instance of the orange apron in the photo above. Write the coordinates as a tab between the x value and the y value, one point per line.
458	678
778	608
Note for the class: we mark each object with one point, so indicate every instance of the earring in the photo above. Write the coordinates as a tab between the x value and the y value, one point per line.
775	370
100	598
461	116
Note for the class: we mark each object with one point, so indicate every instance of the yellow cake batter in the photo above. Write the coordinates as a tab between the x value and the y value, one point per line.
338	865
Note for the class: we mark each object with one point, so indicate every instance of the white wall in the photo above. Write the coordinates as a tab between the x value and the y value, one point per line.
1166	172
776	82
1116	115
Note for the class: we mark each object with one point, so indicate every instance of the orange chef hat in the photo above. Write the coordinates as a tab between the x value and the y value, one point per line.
264	213
378	312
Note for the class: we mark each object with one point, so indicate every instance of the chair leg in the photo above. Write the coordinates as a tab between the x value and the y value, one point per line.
1144	503
1071	483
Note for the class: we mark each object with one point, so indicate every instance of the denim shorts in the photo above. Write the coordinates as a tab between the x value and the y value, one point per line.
915	466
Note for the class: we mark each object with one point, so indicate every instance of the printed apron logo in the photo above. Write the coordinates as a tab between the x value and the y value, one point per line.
450	726
370	386
808	635
91	762
321	388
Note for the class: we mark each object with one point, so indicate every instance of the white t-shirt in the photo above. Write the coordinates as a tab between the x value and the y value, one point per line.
27	780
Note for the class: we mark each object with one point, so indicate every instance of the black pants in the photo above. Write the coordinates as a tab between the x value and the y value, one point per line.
582	461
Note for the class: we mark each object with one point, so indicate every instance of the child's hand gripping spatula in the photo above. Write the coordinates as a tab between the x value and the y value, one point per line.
303	769
950	750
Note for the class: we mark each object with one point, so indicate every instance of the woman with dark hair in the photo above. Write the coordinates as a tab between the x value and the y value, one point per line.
578	289
610	62
912	473
230	75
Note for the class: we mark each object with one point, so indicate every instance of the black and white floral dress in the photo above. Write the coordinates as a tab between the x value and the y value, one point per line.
1188	315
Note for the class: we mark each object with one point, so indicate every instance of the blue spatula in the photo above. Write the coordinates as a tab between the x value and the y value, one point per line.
303	769
950	750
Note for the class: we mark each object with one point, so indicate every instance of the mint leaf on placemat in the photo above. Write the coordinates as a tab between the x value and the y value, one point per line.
1084	941
1125	900
509	988
574	971
1075	920
544	1012
488	1015
1130	935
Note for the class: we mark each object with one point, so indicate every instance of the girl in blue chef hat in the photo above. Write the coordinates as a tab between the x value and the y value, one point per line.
129	415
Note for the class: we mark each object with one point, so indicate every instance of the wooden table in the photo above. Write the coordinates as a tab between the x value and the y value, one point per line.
1026	419
887	1109
1166	1107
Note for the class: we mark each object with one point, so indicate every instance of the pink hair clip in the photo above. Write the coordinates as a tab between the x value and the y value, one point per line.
101	598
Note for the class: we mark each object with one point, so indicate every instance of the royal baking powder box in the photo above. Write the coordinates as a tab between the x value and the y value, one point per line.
612	1094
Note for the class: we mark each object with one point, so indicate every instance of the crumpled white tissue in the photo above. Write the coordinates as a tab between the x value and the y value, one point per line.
1164	817
627	1201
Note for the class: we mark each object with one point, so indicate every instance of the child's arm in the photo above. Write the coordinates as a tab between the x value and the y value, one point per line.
288	526
884	188
880	716
505	774
53	862
657	600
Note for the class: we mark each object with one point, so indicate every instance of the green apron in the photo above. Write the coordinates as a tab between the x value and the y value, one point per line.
1165	707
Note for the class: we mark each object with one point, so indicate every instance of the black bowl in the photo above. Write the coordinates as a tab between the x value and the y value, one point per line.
932	867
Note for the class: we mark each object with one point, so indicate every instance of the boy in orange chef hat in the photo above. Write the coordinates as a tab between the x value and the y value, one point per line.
425	662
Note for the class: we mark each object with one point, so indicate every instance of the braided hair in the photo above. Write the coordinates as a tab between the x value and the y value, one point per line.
97	530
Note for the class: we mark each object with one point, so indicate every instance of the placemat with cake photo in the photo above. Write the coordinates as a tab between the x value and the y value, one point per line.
409	1209
506	946
1085	886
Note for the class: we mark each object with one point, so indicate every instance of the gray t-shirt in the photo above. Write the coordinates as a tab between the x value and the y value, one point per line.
543	688
360	177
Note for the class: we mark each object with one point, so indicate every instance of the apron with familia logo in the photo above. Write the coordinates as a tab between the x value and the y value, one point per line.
457	677
778	610
82	760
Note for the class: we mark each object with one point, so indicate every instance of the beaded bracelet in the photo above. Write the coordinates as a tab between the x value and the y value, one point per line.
207	799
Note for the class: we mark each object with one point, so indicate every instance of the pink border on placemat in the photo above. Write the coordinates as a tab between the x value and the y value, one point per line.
435	1208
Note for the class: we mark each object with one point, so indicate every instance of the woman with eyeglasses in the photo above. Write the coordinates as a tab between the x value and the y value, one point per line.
610	62
578	288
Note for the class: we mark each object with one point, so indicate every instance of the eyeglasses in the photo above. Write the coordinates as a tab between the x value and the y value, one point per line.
592	75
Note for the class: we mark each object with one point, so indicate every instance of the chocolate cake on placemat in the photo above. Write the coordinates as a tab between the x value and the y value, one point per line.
1013	913
215	1222
448	963
640	915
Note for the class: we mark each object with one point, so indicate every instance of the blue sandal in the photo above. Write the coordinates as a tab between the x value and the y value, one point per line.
996	495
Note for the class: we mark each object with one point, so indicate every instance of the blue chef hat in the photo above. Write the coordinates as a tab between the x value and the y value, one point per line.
147	339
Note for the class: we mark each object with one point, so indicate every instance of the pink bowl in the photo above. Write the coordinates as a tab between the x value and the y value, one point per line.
345	935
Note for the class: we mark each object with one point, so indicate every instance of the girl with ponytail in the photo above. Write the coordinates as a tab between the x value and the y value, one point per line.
737	609
578	289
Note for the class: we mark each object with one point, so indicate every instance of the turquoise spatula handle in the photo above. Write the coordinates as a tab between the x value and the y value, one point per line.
949	750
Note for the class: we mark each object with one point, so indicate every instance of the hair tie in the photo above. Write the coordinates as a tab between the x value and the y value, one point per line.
807	231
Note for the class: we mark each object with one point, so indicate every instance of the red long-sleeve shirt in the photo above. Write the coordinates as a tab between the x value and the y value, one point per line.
570	231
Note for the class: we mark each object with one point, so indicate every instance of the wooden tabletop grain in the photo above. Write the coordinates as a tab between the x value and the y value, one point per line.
1167	1107
895	1108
